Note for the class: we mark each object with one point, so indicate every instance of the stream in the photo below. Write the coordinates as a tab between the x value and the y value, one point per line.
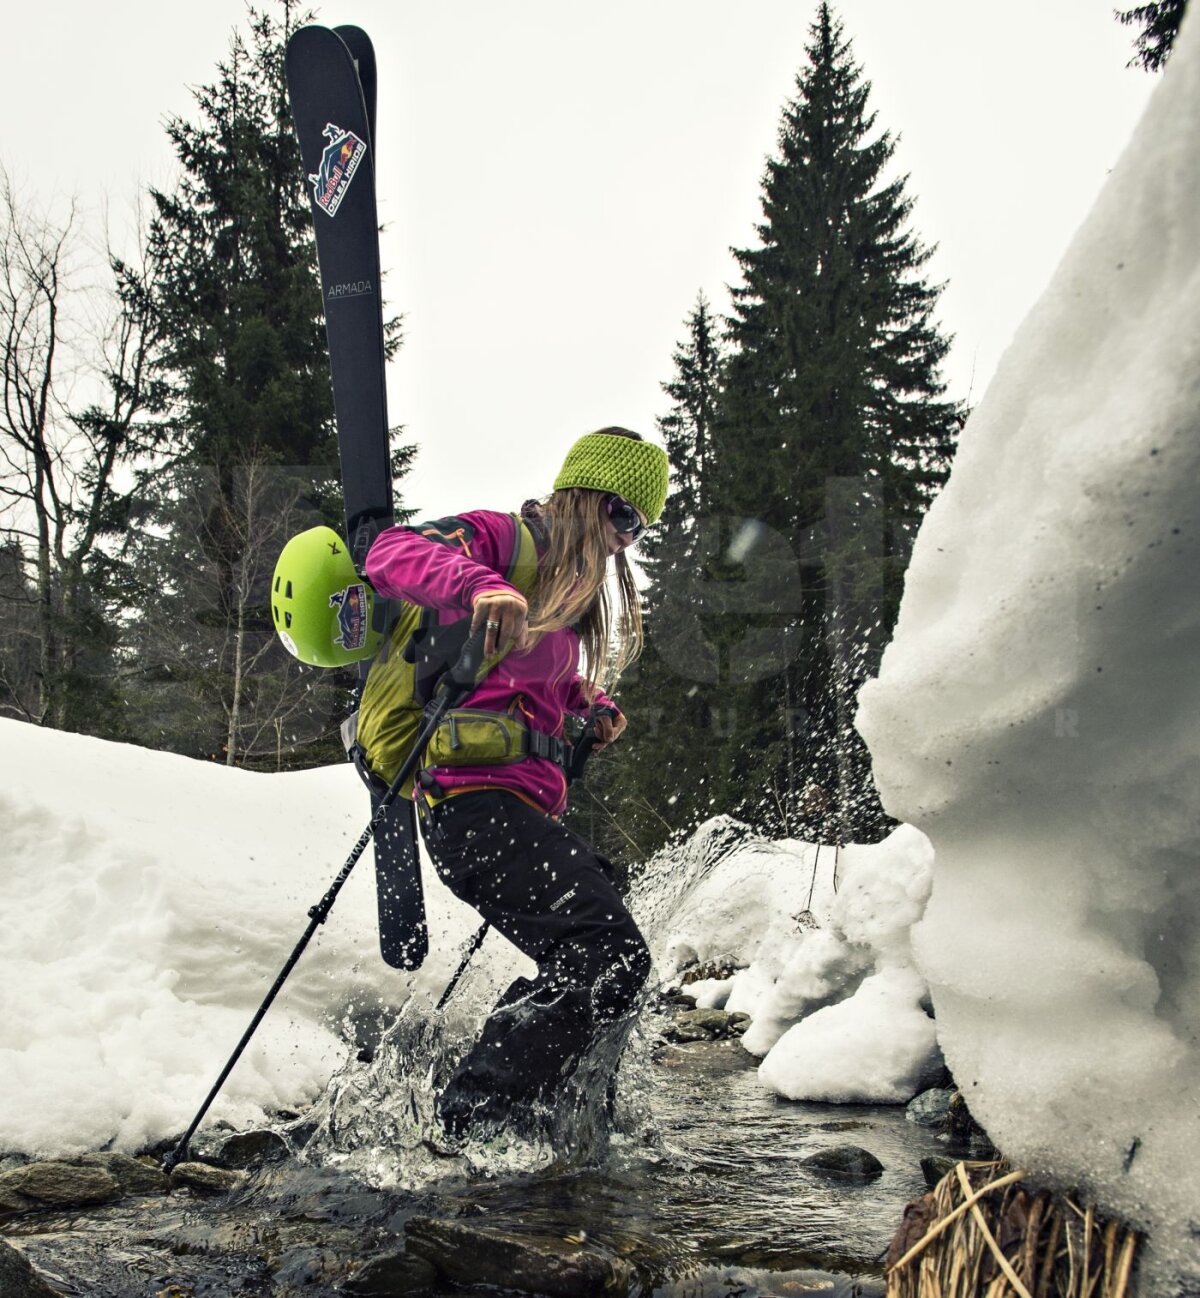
712	1202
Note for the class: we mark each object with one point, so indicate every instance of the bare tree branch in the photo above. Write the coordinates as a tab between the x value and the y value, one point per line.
57	460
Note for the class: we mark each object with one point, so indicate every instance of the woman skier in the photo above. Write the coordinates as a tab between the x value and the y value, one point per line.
491	821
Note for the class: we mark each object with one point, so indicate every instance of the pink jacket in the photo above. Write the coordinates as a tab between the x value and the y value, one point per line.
448	575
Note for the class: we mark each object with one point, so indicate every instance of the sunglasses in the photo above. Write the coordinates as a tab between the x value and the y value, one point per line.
624	517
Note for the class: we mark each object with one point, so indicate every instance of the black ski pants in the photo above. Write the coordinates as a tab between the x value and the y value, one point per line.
550	894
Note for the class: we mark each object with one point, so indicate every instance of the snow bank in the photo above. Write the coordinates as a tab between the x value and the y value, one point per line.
149	901
1038	712
821	945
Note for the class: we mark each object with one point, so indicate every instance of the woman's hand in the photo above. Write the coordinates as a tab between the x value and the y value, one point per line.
607	727
505	614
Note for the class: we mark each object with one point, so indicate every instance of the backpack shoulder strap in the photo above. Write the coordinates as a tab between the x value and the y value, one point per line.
523	563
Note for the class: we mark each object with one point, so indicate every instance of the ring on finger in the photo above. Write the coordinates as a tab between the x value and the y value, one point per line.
492	626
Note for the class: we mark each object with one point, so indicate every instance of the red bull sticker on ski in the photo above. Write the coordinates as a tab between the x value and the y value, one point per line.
339	161
351	605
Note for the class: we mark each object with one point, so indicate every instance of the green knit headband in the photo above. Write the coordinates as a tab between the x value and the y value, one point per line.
635	471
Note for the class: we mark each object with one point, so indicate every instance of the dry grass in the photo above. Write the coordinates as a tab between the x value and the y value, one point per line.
982	1232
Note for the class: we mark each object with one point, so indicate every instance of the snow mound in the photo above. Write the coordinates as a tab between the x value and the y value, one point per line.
150	901
877	1046
820	941
1038	712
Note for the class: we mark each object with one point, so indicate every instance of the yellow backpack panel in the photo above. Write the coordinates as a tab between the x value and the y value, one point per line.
416	652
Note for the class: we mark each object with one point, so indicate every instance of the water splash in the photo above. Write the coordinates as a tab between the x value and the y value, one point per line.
376	1119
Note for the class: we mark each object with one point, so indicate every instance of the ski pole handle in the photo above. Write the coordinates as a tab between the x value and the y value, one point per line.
464	676
582	751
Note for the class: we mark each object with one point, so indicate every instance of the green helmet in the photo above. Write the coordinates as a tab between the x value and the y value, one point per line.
321	606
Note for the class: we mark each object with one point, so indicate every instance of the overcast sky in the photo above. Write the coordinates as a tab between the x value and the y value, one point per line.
559	180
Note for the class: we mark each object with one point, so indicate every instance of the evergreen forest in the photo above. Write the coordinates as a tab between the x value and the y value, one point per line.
806	421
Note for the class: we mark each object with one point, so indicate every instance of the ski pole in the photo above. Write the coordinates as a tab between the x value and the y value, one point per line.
459	681
472	946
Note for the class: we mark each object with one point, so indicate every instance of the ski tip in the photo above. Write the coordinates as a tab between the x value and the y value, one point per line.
313	38
353	36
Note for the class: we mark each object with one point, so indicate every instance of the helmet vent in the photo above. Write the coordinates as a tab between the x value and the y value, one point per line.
277	581
288	592
287	619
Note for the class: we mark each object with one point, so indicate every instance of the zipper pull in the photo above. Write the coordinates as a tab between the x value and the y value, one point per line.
454	743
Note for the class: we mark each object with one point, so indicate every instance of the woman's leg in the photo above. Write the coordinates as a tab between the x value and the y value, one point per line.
546	890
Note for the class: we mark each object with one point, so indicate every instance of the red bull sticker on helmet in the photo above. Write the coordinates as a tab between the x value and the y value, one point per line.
339	161
353	616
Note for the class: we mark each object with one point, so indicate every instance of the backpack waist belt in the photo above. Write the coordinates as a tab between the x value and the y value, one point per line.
478	737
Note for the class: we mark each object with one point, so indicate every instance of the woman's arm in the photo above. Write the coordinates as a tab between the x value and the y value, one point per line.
446	564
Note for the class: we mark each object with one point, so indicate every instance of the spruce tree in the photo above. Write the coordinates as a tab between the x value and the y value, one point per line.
833	435
1159	21
658	786
687	428
254	451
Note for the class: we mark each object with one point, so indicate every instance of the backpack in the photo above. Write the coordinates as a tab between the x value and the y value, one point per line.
414	656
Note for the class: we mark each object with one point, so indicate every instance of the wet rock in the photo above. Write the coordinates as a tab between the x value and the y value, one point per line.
671	997
133	1175
393	1275
304	1266
705	1025
930	1109
62	1184
682	1034
252	1149
206	1179
12	1201
713	969
704	1057
935	1167
205	1144
18	1279
302	1131
158	1150
529	1263
849	1162
961	1126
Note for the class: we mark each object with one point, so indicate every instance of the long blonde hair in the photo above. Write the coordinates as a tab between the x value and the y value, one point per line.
572	585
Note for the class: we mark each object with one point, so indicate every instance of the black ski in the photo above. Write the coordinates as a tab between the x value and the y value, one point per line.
331	85
363	53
